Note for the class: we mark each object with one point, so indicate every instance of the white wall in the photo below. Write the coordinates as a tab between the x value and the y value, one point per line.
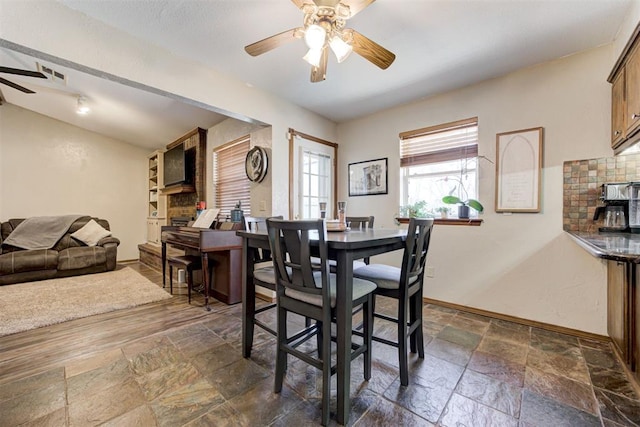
631	21
48	167
522	265
230	130
93	44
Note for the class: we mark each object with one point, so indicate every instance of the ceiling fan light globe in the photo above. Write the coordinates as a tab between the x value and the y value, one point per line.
315	36
313	57
340	48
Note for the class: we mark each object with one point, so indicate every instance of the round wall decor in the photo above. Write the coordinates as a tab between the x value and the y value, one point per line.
256	164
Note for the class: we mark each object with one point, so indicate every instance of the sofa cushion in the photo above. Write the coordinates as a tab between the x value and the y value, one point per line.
91	233
5	229
81	257
32	260
69	242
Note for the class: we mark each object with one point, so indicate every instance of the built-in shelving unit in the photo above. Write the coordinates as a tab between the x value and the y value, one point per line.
156	199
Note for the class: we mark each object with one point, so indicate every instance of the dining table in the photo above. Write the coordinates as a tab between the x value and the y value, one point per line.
344	247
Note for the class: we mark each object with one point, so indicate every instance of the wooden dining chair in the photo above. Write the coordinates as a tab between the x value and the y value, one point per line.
307	288
263	274
404	284
360	223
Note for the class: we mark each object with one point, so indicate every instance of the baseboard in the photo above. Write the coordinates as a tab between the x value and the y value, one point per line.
547	326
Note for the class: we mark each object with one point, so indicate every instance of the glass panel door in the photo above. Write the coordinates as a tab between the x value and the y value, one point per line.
314	177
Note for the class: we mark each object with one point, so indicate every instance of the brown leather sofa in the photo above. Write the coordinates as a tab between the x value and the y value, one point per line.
68	257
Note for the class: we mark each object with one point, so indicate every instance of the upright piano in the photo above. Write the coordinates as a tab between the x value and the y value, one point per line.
221	253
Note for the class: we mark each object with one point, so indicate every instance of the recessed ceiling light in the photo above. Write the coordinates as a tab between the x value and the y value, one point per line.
83	108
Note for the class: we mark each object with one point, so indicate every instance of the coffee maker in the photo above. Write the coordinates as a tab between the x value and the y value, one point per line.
634	207
615	207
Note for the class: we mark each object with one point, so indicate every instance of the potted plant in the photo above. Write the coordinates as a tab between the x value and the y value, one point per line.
415	210
443	210
463	205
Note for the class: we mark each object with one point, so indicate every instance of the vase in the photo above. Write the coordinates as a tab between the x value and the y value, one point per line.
463	211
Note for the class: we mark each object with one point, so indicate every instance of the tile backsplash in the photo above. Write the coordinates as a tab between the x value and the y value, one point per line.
581	187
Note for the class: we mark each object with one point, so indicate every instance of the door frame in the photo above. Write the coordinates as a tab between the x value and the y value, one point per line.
292	134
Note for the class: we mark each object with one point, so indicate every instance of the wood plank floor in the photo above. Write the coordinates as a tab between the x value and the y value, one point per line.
31	352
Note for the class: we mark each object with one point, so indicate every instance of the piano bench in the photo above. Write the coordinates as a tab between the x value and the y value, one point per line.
187	262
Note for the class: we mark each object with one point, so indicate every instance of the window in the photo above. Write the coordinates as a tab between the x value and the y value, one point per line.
438	161
229	177
316	182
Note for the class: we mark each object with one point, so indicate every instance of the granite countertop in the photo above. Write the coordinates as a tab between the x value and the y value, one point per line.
623	247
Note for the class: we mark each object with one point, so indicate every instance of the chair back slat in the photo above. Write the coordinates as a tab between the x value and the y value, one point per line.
258	224
416	248
290	243
360	222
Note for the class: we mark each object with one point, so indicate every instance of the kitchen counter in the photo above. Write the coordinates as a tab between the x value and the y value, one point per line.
624	247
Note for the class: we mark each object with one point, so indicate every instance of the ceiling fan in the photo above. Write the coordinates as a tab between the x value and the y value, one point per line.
19	72
324	29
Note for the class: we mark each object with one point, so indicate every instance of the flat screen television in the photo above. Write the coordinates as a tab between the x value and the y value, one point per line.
174	166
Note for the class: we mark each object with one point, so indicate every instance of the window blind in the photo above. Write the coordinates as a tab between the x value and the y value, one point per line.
449	141
229	177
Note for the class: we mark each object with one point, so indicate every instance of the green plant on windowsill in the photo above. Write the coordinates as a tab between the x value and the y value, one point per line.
414	210
443	211
463	205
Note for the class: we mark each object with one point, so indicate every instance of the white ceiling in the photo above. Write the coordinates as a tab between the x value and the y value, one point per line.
440	45
119	111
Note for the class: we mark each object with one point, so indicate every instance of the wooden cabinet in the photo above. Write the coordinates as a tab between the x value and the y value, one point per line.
635	327
632	90
618	110
623	312
153	229
625	96
157	201
618	321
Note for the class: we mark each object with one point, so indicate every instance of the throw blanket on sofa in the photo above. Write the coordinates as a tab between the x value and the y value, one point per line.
41	232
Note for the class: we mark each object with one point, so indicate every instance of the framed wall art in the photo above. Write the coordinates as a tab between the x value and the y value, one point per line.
368	178
518	170
256	164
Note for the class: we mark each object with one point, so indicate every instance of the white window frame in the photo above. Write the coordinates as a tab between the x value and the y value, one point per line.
454	144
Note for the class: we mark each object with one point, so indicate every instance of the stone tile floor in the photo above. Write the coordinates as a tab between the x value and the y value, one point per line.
477	371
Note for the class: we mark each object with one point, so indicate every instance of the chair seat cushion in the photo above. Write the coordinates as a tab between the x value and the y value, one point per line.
265	275
360	288
385	276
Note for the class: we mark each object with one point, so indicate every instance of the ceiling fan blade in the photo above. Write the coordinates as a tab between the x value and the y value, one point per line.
319	73
356	6
270	43
20	72
371	51
15	86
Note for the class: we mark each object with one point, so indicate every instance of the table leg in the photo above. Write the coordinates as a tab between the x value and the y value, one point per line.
248	299
344	306
205	279
164	262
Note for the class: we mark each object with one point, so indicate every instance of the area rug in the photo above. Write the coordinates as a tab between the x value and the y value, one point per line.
31	305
